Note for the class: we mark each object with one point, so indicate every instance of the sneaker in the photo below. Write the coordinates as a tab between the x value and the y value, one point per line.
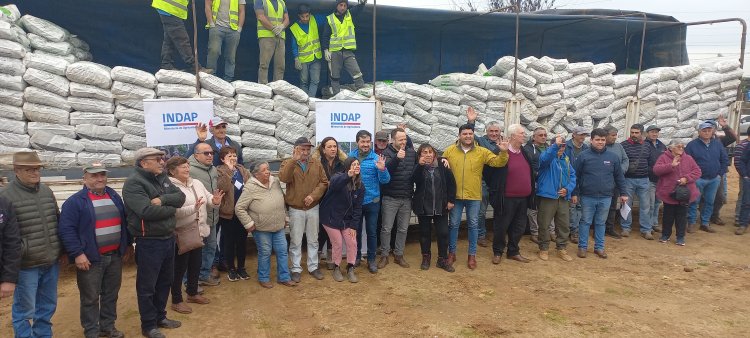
153	333
442	263
372	267
351	274
209	282
663	240
680	243
317	274
232	276
114	333
296	277
625	233
647	235
337	276
167	323
563	254
544	255
740	230
243	274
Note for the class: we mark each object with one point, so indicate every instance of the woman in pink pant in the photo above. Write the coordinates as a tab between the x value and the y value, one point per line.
340	211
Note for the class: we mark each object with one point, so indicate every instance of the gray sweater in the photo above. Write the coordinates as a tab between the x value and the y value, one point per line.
208	175
620	152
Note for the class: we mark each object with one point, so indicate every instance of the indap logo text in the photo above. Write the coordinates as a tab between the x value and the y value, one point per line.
173	121
345	120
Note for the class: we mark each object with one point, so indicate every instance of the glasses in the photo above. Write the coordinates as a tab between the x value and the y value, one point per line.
207	153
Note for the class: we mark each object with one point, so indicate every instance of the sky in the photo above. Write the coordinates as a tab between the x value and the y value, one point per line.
704	42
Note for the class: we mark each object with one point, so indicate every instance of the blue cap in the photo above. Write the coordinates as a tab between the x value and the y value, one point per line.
706	124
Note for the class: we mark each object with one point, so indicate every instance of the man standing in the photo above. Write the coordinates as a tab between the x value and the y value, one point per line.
401	160
381	141
218	128
273	19
555	183
10	249
597	175
374	173
306	182
491	140
202	169
35	208
92	233
467	161
306	49
172	14
640	162
738	151
339	43
743	168
511	189
224	23
711	157
534	148
613	216
573	148
657	148
721	194
151	201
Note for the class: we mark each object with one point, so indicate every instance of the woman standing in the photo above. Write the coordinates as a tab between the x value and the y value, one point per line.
262	211
191	217
232	178
340	211
675	168
332	159
433	198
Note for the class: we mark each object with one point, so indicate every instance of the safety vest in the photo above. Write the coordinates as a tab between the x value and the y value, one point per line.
276	17
234	13
178	8
342	33
308	43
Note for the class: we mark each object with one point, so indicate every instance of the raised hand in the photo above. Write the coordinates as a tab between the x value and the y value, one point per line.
202	131
402	125
559	140
217	196
350	172
471	114
296	156
504	146
676	160
380	164
722	121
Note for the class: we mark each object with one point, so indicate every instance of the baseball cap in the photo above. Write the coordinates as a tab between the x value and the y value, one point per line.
706	124
95	167
653	127
215	121
302	141
381	135
581	130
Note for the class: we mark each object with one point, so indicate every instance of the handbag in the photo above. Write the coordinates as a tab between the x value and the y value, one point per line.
681	194
189	236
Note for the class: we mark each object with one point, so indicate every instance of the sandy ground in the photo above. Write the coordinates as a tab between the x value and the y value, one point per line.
643	289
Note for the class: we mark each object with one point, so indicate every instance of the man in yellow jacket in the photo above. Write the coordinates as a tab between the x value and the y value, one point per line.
273	19
467	160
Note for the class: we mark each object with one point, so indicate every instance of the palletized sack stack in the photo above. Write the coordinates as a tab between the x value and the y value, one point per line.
257	120
129	87
292	103
13	133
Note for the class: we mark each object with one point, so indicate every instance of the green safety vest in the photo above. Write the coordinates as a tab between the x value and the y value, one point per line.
308	43
276	17
178	8
234	13
342	34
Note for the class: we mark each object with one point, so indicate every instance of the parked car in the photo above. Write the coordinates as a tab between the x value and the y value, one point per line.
744	124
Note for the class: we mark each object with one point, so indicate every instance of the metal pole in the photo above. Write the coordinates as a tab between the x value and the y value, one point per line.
640	59
515	65
374	45
195	52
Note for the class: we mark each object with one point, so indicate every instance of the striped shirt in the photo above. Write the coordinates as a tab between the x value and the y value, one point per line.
108	223
738	153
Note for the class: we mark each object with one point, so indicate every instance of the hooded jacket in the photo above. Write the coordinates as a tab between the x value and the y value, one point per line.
145	219
262	206
338	163
468	167
554	174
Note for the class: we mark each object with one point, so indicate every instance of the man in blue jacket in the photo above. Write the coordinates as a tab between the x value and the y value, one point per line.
573	148
556	180
91	230
712	158
373	173
597	174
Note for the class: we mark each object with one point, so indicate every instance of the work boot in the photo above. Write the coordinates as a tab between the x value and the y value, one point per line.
656	228
707	228
496	259
625	233
198	299
351	275
740	231
581	253
317	274
383	261
483	242
563	254
535	239
574	238
717	221
372	266
544	255
691	228
181	307
472	262
167	323
647	235
451	258
612	233
442	263
600	253
399	259
337	276
426	258
153	333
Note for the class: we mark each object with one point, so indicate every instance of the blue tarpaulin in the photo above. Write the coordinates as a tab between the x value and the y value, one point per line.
412	44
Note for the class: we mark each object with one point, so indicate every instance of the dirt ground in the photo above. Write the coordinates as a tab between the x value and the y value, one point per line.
641	290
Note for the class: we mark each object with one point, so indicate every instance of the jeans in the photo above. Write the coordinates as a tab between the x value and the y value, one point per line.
370	213
223	40
303	222
235	242
674	214
344	60
219	255
267	241
208	253
655	205
339	236
425	234
721	197
575	217
745	213
638	187
99	287
707	189
175	40
472	219
511	220
553	210
394	211
35	301
738	206
595	211
189	262
155	270
481	227
309	77
271	48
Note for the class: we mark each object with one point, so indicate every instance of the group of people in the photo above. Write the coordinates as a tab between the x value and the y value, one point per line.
313	39
186	219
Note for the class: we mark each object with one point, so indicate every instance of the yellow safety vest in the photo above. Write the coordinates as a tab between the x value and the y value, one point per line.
178	8
276	17
342	34
234	13
308	43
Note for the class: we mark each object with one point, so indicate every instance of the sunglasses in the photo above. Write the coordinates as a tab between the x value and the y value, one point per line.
207	153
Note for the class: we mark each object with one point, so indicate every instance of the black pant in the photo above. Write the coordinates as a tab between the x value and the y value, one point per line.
235	242
674	214
155	260
511	220
190	262
425	231
99	287
175	40
614	215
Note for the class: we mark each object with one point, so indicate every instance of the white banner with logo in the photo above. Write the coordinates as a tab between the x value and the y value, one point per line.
173	121
343	119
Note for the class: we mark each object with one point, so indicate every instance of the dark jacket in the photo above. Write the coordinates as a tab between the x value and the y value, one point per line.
657	148
640	159
433	192
711	158
743	162
497	177
10	243
570	150
534	151
212	142
598	172
341	207
37	213
401	170
145	219
77	226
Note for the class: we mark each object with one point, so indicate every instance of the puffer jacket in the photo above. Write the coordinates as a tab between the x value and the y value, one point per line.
372	177
208	175
10	243
668	176
401	185
145	219
37	214
262	206
187	214
554	174
468	167
226	210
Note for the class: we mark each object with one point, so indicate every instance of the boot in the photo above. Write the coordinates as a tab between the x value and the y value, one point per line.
472	262
383	261
401	261
442	263
337	276
451	258
426	258
350	273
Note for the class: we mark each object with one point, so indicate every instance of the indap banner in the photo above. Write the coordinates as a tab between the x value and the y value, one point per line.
343	119
173	121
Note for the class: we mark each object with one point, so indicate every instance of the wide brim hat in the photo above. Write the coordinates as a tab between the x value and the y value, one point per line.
28	158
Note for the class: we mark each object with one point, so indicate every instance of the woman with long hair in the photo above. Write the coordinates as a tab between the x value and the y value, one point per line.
332	159
232	179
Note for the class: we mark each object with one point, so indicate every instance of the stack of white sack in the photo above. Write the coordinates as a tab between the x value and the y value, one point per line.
293	105
257	120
